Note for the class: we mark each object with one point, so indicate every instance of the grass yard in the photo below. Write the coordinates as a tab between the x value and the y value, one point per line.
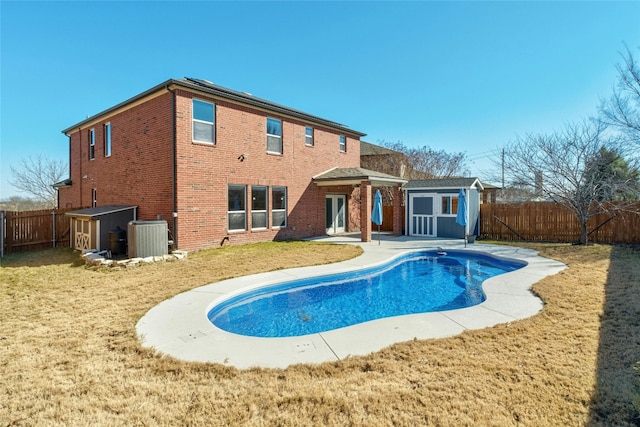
69	354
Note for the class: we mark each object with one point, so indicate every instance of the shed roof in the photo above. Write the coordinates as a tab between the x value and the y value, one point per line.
99	211
439	183
354	176
205	86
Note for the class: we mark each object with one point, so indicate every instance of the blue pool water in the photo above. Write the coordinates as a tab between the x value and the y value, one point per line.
419	282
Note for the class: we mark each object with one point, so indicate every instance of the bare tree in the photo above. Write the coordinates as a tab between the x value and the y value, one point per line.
36	176
425	162
622	110
21	204
411	163
573	167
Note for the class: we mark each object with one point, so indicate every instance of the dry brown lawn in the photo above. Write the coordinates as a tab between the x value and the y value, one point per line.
69	354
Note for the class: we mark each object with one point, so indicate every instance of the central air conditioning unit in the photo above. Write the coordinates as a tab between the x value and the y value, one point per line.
147	238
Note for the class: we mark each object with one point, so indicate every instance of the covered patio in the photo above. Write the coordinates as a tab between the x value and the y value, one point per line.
365	180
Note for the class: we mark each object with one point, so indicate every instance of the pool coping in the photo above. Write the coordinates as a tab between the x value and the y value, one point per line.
179	326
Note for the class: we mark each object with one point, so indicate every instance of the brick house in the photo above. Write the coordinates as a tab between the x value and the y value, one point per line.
222	166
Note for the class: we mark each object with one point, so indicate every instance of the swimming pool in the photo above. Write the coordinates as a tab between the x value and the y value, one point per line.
417	282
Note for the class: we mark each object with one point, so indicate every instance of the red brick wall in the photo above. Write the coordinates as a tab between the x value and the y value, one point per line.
139	170
205	171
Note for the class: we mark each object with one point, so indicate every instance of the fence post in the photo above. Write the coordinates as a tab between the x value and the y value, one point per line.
53	220
2	226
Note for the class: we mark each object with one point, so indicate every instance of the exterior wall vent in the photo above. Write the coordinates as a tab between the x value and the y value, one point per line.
147	238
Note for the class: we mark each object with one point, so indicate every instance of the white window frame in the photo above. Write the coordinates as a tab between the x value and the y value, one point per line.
270	135
308	139
234	211
283	210
450	198
107	139
255	189
343	144
212	123
94	197
92	144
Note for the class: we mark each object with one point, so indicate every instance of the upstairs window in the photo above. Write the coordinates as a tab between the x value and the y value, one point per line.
203	122
258	207
107	140
236	211
274	136
308	136
279	207
343	143
92	144
94	197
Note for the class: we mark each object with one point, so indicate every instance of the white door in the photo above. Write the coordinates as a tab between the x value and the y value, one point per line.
335	213
421	217
82	234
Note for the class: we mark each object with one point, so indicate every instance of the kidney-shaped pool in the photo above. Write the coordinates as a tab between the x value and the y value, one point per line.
418	282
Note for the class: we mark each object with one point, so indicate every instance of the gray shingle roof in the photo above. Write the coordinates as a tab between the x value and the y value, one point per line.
357	175
225	93
445	183
99	210
368	149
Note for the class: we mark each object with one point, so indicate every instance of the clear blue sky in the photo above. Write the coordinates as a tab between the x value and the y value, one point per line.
458	76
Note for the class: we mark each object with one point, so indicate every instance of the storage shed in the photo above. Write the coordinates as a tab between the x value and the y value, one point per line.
432	204
90	227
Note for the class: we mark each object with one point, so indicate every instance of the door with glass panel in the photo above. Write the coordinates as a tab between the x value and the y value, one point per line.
335	213
421	218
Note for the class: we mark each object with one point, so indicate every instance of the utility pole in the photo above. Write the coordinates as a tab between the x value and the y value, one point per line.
502	161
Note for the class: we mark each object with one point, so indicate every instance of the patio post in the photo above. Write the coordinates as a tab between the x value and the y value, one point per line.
397	211
365	211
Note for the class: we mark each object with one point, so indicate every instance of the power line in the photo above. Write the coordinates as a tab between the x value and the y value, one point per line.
483	154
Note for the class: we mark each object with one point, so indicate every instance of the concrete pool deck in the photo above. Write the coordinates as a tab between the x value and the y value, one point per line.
179	326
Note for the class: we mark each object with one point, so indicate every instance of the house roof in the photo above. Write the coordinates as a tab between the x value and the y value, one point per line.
205	86
491	187
354	176
368	149
63	183
440	183
99	211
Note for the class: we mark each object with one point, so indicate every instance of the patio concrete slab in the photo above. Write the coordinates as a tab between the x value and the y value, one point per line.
179	326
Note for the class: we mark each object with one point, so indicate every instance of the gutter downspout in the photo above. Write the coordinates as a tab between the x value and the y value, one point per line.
80	161
174	183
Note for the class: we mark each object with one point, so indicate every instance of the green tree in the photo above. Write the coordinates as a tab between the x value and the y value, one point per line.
612	178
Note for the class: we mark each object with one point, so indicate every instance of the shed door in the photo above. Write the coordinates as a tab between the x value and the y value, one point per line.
421	218
82	234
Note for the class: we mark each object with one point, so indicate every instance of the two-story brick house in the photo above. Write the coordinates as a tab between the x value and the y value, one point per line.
221	165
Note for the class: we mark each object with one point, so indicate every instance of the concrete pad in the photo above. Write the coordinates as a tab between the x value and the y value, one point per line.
179	326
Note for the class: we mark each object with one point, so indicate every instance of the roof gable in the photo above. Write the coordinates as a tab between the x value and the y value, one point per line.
445	183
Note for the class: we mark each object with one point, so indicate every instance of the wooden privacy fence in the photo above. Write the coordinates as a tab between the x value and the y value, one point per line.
387	220
551	222
30	230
